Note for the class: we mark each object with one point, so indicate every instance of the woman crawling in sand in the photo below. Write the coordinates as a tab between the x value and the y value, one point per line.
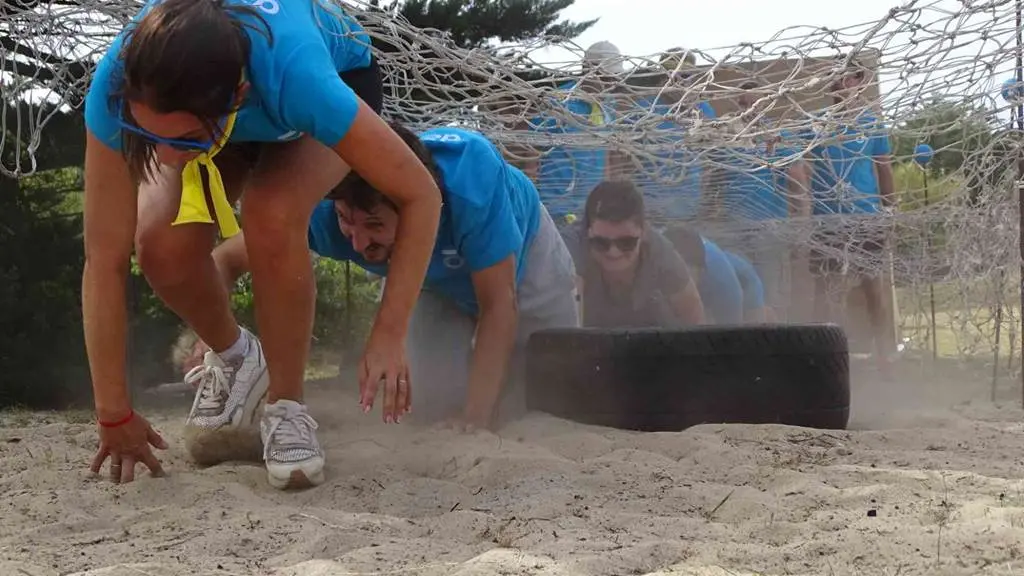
283	93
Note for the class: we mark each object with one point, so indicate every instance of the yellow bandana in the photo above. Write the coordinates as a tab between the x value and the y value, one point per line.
596	114
193	207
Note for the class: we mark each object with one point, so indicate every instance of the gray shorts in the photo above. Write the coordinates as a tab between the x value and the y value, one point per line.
440	341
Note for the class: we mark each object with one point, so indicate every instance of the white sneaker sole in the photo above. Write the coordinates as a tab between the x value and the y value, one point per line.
298	478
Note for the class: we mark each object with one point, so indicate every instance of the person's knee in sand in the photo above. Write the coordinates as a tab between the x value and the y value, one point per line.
717	282
499	272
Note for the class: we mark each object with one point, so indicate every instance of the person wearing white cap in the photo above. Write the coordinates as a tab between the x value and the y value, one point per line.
604	57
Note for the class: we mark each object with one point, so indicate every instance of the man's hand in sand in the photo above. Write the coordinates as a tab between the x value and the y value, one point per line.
384	365
127	444
461	426
470	422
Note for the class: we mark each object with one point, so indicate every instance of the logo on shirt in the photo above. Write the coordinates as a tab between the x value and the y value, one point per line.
291	135
452	259
447	137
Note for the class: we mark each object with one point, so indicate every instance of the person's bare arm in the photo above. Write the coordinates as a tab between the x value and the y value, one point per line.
498	320
886	186
798	188
527	158
688	305
231	260
374	151
109	230
710	198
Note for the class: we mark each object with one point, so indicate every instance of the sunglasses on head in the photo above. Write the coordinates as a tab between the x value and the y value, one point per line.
604	244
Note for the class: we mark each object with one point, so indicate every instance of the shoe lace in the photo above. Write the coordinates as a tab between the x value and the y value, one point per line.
293	428
212	381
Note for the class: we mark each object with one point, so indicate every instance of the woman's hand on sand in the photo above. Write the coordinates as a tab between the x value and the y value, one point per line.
126	445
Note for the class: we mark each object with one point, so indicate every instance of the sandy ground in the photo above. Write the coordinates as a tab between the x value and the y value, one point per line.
927	481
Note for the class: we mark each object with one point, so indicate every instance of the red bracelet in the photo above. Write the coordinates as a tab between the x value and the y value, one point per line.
121	422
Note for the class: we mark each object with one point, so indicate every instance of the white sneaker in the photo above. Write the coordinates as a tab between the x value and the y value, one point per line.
227	394
290	448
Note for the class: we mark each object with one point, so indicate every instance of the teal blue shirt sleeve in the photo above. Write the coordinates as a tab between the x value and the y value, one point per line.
707	110
312	97
101	116
750	282
880	144
719	287
481	207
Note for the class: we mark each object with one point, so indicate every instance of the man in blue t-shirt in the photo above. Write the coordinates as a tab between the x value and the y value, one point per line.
762	180
499	272
670	173
566	172
720	288
853	189
754	308
673	179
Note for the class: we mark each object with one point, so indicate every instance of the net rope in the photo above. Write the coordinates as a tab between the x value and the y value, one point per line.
934	72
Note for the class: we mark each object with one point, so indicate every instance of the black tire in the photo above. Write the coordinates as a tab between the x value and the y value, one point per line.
669	380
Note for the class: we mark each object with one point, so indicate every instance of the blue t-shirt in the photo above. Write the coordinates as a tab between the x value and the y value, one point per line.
719	287
750	282
670	178
566	173
295	84
843	178
491	210
755	181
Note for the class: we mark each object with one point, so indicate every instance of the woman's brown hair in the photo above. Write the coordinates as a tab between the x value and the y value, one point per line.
183	56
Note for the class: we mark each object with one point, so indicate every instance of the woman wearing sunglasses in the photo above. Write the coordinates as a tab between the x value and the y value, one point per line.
194	102
628	274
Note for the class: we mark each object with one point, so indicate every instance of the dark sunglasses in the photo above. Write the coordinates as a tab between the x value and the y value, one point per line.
604	244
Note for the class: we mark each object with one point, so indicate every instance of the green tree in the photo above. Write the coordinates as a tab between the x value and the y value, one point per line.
476	23
957	131
41	347
967	143
469	25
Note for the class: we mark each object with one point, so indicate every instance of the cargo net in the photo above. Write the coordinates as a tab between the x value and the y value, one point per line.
926	75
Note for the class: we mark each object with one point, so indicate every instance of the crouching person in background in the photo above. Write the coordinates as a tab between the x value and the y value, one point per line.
754	308
499	272
718	283
628	274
